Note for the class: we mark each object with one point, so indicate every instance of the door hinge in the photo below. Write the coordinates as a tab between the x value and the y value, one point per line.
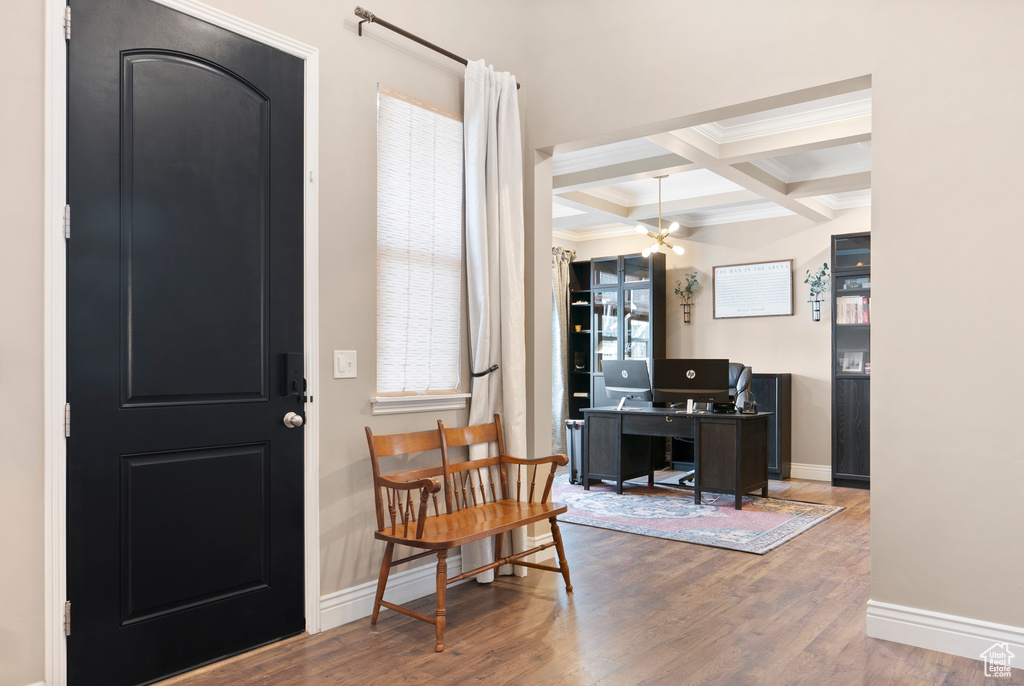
67	222
67	618
67	420
67	22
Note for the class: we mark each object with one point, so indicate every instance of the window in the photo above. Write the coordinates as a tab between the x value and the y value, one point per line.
419	255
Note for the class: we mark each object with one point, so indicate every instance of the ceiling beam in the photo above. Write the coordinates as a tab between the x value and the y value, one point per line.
599	210
833	184
745	174
621	172
643	213
816	137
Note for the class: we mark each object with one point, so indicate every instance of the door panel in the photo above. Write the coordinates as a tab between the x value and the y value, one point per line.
185	488
200	338
195	528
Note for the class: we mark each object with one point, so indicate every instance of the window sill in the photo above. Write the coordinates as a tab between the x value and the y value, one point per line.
418	403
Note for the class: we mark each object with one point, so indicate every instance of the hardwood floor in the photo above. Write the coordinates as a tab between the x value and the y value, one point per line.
644	611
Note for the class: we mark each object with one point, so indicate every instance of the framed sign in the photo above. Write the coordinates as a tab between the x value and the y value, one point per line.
756	289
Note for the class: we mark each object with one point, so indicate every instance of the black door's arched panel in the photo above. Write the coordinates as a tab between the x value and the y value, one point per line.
194	256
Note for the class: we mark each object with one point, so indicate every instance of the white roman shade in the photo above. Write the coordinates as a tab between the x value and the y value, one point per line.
419	247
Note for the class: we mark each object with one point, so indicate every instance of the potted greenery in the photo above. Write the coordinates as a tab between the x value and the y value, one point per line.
819	284
686	293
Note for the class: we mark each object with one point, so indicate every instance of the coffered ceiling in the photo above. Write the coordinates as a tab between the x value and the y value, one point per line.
808	159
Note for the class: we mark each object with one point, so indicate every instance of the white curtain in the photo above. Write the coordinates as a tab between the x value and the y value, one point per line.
495	272
560	259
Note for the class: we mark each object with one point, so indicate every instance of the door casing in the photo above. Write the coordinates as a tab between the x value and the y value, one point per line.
55	312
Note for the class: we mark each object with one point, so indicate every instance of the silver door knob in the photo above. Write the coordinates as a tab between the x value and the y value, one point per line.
292	420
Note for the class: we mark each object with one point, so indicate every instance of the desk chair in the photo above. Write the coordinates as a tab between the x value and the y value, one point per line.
740	377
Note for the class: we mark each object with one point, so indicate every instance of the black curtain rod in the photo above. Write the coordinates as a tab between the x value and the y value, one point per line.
370	17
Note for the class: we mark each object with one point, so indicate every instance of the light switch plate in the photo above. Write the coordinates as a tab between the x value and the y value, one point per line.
344	364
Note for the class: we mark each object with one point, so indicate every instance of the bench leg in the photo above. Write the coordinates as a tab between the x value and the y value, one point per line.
442	585
382	580
563	564
499	541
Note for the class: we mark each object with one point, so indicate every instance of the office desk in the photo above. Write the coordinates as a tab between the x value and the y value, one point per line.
730	450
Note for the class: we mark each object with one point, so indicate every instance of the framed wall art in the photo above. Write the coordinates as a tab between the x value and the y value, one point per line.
755	289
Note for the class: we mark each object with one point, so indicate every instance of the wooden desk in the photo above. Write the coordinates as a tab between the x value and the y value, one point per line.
730	450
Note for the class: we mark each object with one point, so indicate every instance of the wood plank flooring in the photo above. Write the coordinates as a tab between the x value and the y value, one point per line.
644	611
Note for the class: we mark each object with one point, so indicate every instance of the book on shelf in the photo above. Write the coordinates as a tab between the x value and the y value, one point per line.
853	309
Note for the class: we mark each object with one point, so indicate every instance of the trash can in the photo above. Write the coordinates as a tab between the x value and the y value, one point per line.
574	448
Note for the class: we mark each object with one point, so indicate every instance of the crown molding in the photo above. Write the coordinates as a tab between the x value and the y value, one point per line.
580	235
613	195
605	155
755	126
766	211
845	201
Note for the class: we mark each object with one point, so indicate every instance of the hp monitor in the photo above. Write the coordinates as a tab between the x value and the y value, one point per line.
703	381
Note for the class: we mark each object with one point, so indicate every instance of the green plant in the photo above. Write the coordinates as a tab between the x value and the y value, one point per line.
818	282
686	292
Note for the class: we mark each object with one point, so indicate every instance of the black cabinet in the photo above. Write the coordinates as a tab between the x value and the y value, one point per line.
773	393
851	360
627	314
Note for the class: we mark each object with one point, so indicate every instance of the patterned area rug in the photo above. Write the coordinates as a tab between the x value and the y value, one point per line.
664	512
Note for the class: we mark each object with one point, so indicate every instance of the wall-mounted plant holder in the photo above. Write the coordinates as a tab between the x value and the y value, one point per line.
686	313
815	310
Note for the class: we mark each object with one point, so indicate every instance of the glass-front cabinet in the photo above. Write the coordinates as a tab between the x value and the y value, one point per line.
851	359
628	295
605	327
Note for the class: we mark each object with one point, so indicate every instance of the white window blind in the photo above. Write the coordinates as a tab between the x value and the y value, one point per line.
419	246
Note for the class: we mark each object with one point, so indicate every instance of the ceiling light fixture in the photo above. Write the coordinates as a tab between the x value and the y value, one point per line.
659	238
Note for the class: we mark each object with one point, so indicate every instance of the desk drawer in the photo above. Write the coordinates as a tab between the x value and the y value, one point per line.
678	426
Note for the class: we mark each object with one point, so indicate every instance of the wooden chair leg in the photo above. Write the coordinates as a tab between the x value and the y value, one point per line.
442	585
382	580
563	564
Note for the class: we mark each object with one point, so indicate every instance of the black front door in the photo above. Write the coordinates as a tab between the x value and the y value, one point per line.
185	486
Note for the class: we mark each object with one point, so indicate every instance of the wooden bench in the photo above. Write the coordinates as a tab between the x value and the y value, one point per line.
479	499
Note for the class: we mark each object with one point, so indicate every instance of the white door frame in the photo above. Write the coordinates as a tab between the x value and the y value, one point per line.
55	330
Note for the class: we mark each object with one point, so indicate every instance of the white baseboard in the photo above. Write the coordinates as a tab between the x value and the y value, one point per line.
546	554
350	604
944	633
813	472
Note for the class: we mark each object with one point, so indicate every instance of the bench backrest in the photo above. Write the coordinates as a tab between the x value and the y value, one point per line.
473	482
401	507
404	498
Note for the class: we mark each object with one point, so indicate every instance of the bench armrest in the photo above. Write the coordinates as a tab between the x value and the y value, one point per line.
430	485
560	460
554	460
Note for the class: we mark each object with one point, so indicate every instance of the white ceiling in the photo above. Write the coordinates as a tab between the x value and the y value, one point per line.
809	158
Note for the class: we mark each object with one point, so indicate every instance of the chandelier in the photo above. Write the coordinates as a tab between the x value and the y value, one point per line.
659	238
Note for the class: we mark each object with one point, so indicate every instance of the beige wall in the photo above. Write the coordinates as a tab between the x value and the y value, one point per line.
796	344
947	108
947	115
21	344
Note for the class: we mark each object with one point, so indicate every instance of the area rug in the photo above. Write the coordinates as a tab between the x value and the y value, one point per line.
664	512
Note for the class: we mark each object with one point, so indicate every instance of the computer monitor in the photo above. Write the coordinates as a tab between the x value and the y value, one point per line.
703	381
626	380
